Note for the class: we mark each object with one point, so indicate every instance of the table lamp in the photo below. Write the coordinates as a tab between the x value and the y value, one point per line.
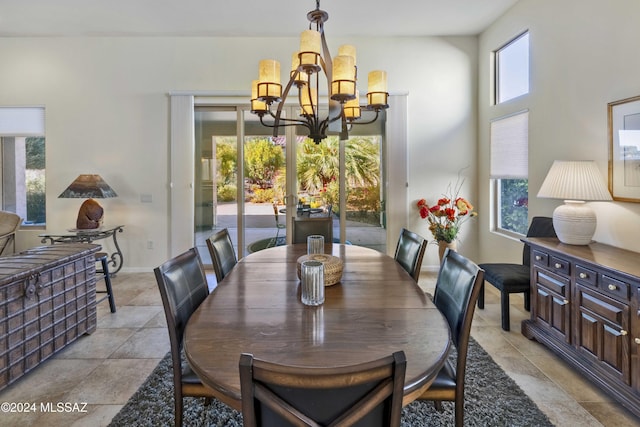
575	182
89	187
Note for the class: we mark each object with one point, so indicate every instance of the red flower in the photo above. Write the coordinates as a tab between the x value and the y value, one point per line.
447	215
424	212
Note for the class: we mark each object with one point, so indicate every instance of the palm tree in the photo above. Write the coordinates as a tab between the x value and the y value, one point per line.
318	164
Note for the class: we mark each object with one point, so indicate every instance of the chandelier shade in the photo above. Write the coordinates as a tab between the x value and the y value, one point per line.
268	96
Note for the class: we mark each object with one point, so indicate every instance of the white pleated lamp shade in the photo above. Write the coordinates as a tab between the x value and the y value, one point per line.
574	182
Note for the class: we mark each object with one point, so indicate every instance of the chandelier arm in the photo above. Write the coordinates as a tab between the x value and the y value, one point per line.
353	122
277	117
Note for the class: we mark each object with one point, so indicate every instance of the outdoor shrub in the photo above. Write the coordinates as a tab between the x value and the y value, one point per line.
263	195
227	193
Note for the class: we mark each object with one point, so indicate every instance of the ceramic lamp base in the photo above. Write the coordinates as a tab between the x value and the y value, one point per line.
574	223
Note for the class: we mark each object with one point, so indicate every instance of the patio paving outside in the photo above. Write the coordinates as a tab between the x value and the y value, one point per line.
260	224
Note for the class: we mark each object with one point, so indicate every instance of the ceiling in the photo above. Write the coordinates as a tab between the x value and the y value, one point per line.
245	17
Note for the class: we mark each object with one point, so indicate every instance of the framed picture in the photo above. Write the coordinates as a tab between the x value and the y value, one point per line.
624	149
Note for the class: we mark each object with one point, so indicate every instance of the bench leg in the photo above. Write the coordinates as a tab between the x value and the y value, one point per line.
504	306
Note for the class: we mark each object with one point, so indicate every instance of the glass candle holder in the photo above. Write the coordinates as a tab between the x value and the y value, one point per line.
315	244
312	282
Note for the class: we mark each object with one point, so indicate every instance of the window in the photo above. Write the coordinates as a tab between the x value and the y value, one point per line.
512	69
509	172
22	163
510	140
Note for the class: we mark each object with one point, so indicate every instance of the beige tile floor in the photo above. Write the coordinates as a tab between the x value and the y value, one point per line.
104	369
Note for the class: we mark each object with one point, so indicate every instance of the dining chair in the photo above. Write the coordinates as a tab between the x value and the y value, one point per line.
305	226
367	394
9	224
455	295
514	278
410	251
183	286
223	256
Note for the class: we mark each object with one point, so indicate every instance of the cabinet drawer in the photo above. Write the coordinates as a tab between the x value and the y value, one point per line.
606	308
614	287
557	284
559	265
585	276
540	258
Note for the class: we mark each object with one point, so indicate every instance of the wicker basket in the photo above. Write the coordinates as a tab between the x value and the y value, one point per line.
332	267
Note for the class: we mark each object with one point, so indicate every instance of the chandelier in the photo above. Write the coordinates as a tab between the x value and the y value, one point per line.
341	72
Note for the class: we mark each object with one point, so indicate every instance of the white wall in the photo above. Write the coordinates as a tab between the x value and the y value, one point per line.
583	56
107	111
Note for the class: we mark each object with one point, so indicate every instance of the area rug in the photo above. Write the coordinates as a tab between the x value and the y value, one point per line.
492	399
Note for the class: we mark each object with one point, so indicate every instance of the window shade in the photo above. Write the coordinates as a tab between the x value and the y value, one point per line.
510	147
21	121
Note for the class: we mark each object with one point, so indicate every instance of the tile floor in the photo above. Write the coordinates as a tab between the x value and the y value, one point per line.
104	369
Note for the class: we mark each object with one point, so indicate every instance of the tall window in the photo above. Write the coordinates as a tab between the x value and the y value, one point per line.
512	69
509	172
510	139
22	163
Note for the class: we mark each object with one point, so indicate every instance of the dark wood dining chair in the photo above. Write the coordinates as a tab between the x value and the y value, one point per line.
183	286
410	251
305	226
223	256
515	278
455	295
368	394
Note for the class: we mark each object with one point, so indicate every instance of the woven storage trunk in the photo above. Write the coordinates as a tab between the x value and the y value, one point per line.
47	300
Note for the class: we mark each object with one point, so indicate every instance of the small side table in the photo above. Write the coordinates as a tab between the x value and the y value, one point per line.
75	235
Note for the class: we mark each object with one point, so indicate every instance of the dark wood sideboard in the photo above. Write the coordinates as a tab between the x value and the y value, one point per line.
585	307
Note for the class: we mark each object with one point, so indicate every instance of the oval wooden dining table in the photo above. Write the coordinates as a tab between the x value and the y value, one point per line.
376	309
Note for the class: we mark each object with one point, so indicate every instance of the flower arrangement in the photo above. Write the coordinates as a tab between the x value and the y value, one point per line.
447	215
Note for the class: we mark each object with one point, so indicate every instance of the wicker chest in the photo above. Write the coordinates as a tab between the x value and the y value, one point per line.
47	300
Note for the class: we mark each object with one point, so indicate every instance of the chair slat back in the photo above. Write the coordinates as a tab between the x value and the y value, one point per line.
410	251
456	292
223	256
304	227
541	226
368	394
183	286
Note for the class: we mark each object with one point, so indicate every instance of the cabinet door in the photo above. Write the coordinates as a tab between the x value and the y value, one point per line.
551	308
602	326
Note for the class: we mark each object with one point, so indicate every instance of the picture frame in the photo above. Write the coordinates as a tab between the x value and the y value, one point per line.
624	149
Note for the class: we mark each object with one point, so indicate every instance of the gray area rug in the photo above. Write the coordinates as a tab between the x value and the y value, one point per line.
492	398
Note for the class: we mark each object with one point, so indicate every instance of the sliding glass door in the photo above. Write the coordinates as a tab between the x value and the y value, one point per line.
242	181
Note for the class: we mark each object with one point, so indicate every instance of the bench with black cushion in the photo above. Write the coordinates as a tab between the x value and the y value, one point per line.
514	278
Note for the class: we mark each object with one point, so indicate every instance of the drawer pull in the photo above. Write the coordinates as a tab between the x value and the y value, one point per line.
583	275
623	332
538	258
637	340
557	265
612	287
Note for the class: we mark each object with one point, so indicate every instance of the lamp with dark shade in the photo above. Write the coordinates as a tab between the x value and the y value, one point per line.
90	187
575	182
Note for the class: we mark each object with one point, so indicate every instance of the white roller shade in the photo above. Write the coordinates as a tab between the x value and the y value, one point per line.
510	147
21	121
